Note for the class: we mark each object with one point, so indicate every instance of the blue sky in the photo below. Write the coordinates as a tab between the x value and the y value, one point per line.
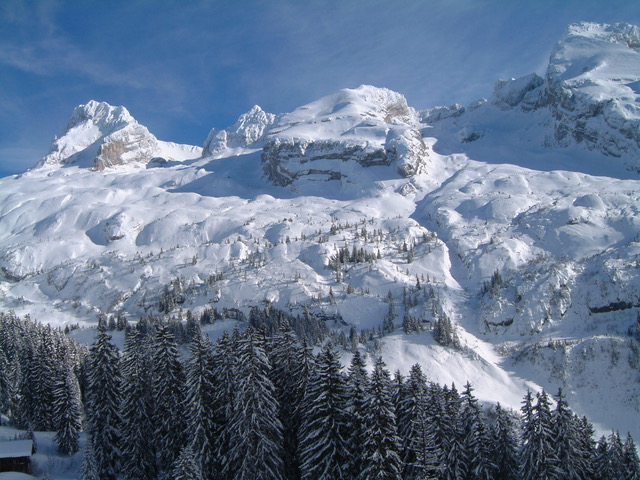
184	67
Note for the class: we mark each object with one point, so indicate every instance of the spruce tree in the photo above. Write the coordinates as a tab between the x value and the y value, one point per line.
5	382
442	425
475	439
324	432
382	445
292	366
420	455
528	451
615	455
567	448
454	456
35	397
504	446
168	400
187	467
200	414
357	383
601	460
67	410
539	459
255	430
89	467
103	403
586	447
630	460
44	374
225	365
138	446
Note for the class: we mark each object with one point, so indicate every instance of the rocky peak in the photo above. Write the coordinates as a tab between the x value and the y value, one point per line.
248	130
99	135
100	114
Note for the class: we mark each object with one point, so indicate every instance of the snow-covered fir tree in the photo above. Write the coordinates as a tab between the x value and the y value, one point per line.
103	404
358	386
420	455
168	400
200	395
138	446
455	459
89	468
67	410
615	455
324	431
539	458
187	467
292	366
631	460
5	383
224	373
255	430
504	445
601	460
381	458
475	439
567	446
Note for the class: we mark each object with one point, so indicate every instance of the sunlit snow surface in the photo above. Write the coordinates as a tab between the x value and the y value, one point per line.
495	191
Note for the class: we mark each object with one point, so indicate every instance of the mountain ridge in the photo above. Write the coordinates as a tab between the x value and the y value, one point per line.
453	213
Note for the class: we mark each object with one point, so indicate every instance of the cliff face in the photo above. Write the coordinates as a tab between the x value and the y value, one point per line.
287	160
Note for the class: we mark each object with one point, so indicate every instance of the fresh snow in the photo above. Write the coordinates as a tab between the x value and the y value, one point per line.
493	187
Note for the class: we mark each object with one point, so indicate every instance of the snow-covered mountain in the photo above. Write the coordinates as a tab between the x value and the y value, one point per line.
518	218
102	136
586	106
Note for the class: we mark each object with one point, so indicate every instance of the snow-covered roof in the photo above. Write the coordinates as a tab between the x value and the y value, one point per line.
15	476
16	448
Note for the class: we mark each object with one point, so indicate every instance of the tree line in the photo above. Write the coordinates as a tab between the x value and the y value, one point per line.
264	406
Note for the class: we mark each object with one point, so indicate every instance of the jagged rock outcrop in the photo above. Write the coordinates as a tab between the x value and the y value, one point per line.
407	150
248	130
100	136
524	92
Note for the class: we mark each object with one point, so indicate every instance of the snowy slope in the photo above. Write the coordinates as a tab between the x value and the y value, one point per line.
478	213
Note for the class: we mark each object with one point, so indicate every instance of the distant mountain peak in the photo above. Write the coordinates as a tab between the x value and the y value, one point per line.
622	33
248	129
99	135
101	114
351	107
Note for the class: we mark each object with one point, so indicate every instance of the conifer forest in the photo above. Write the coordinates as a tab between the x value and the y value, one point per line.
269	403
